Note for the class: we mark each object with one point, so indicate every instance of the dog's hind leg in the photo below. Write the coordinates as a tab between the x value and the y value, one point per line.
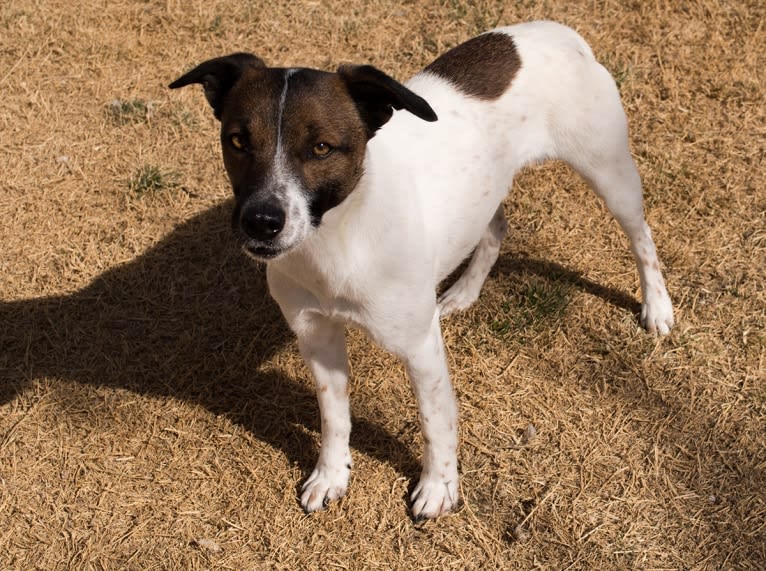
619	185
467	288
593	138
604	161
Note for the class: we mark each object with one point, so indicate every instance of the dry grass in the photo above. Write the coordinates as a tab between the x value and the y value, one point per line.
155	414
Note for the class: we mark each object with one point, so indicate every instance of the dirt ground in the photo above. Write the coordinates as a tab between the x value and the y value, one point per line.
155	414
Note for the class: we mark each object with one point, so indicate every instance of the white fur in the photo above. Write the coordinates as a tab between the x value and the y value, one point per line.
430	194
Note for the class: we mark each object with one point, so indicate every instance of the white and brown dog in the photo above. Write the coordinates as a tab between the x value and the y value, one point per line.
360	212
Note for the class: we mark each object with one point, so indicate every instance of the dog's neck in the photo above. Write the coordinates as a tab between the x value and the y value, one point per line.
374	215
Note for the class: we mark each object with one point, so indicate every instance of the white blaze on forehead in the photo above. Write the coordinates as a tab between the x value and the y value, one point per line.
285	183
280	167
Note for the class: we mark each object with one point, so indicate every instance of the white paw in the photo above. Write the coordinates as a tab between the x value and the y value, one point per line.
324	485
434	496
457	298
657	315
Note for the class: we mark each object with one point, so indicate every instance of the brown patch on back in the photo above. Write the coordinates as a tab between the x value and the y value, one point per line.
482	67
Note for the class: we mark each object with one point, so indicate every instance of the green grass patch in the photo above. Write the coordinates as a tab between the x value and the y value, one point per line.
621	71
123	112
151	178
216	26
536	304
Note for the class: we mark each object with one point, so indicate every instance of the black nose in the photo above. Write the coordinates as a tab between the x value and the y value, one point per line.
262	221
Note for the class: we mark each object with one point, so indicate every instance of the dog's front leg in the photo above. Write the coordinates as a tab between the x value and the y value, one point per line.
323	346
437	491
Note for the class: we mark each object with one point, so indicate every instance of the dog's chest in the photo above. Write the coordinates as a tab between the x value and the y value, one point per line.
325	286
365	296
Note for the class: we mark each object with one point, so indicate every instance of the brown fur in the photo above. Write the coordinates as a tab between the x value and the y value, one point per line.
482	67
334	112
318	109
250	111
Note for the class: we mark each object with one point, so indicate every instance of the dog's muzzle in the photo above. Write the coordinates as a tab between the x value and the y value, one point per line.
261	224
262	221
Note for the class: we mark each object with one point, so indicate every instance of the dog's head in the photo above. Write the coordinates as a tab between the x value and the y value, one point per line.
294	140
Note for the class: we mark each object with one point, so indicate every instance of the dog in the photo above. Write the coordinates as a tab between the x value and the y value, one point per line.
362	194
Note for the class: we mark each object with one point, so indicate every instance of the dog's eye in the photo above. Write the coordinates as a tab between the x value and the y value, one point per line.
321	150
237	141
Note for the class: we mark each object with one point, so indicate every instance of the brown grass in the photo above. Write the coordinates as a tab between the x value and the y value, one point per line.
155	414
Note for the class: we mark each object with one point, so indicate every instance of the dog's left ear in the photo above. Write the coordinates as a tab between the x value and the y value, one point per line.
218	76
377	95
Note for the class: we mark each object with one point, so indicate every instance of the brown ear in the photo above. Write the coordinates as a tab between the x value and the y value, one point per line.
377	95
218	76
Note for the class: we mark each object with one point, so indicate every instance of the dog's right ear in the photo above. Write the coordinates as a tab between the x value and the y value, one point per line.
218	76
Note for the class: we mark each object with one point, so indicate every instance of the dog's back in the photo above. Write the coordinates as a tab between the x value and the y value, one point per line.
454	173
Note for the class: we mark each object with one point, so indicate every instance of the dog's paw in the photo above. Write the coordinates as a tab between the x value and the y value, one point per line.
657	314
434	496
324	485
458	298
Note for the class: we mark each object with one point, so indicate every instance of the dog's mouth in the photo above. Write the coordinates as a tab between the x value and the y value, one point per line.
261	252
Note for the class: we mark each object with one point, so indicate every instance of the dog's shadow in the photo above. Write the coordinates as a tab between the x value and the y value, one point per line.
555	272
192	319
